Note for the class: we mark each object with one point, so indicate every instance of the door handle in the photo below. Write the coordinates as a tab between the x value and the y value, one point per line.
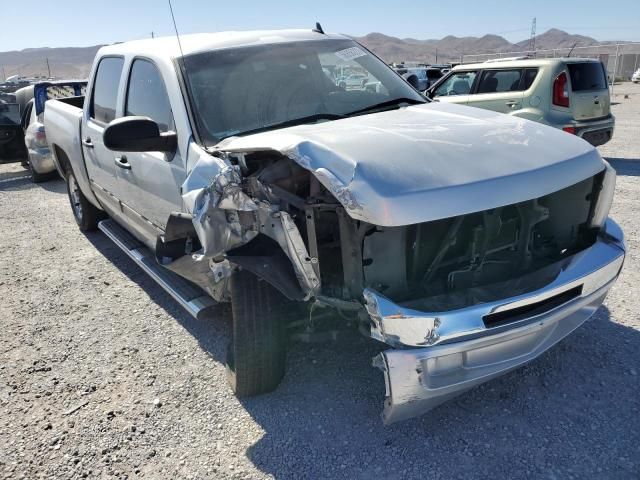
512	103
87	142
122	162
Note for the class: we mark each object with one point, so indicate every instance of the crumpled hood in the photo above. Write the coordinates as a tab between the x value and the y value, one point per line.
431	161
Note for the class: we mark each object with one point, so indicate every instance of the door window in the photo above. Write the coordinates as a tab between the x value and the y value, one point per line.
497	81
530	75
147	95
459	83
105	90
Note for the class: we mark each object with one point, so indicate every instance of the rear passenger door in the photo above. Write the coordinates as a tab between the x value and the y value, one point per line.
499	90
100	161
150	181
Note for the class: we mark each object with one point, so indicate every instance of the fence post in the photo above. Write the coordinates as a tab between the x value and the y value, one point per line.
615	69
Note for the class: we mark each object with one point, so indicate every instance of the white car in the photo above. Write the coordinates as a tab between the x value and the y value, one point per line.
467	241
635	78
355	80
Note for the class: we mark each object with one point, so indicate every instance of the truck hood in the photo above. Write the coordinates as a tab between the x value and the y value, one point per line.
431	161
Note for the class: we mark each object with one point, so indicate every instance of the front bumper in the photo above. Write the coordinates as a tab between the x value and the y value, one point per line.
458	351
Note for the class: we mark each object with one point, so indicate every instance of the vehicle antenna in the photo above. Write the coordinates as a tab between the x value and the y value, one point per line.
318	28
574	46
176	29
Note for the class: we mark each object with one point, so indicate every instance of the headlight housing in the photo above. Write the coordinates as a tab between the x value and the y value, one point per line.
605	197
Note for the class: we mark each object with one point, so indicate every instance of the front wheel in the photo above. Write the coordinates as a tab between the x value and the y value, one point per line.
85	213
257	352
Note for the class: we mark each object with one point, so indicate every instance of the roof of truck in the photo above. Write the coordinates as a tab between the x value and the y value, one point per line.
202	42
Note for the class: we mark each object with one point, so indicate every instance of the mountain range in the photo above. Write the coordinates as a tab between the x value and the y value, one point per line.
76	62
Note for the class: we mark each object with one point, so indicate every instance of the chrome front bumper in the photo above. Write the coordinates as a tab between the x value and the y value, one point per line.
443	354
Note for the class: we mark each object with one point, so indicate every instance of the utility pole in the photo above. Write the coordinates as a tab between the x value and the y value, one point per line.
48	68
436	55
152	34
4	75
532	38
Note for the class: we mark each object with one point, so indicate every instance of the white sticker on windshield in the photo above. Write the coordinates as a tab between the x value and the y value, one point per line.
350	53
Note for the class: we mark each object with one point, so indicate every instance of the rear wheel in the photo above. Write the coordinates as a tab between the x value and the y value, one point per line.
85	213
257	352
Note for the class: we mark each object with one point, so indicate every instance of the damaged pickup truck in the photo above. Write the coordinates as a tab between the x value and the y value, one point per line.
234	169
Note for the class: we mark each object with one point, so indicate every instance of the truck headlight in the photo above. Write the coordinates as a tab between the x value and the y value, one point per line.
605	197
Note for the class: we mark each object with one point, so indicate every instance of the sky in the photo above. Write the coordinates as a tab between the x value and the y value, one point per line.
32	24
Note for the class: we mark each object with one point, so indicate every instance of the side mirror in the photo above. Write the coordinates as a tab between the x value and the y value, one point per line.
138	134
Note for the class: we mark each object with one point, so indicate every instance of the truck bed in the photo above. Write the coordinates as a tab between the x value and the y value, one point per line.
62	121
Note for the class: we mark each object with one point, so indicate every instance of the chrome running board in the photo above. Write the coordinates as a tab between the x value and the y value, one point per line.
192	298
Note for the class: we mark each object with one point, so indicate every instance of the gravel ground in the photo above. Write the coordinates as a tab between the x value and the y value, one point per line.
102	374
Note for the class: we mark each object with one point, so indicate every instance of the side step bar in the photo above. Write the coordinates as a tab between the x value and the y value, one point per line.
192	298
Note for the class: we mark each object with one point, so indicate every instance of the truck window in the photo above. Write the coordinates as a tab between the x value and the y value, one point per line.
147	95
105	90
496	81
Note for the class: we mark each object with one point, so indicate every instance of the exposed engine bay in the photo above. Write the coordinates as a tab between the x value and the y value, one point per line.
289	229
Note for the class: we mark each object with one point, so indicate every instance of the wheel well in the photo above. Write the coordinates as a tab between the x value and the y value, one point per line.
63	160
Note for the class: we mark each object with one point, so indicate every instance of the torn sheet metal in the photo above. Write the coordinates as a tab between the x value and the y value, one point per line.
382	166
225	217
222	213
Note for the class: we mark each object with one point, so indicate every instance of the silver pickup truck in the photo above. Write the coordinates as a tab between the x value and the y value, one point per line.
233	169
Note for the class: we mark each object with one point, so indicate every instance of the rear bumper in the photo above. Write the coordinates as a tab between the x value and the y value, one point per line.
597	132
459	352
41	160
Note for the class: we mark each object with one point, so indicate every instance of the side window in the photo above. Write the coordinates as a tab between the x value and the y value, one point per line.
105	89
459	83
147	95
496	81
530	75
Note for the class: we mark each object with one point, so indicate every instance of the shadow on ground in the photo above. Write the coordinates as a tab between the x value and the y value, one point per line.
572	413
629	167
20	180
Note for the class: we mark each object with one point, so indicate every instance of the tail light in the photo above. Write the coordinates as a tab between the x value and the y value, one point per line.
571	130
40	137
561	90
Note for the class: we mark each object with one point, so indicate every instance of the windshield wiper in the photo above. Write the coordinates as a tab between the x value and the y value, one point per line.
290	123
396	102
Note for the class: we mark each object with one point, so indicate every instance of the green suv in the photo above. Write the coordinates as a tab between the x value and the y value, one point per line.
567	93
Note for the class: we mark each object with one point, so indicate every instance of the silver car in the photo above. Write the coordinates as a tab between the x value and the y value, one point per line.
570	94
40	161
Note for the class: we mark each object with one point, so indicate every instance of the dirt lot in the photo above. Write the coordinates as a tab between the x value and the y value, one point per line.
102	374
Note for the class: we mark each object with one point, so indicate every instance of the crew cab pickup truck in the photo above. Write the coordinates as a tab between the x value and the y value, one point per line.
232	169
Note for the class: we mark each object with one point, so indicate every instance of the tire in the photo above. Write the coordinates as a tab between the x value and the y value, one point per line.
85	213
257	352
343	85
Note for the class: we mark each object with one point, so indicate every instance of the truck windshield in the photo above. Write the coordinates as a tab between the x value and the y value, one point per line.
241	90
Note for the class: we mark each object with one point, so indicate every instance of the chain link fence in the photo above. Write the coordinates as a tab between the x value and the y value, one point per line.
621	59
